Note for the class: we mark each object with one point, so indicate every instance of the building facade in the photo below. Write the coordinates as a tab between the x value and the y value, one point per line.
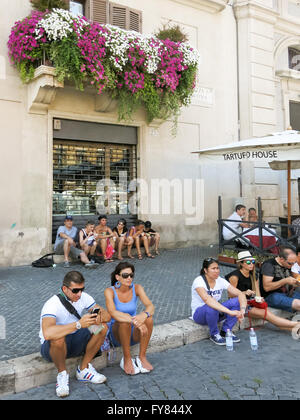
59	143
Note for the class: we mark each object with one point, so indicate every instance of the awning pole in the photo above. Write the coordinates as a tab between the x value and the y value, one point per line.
289	186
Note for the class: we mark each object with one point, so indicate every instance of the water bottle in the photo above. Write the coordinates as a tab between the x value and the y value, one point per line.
253	339
229	341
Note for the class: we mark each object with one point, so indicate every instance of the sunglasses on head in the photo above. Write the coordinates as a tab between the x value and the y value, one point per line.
250	262
126	275
76	291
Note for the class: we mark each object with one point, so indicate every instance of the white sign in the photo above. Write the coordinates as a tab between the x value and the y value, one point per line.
203	96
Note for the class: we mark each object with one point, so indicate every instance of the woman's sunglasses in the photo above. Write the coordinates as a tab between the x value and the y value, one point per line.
250	262
126	275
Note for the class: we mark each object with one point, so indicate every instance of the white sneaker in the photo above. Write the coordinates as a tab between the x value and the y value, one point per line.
62	385
90	374
136	369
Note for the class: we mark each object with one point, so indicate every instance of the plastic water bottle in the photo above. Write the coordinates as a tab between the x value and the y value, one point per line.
253	339
229	341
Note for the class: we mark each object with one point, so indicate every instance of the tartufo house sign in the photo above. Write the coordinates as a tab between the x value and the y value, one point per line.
252	155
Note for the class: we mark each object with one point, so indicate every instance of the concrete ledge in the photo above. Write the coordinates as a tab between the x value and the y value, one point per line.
23	373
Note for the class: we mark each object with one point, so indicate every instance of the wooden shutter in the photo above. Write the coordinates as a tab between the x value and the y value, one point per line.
67	4
118	15
125	18
100	11
134	20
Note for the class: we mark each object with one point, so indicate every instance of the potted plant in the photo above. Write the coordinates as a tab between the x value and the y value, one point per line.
228	256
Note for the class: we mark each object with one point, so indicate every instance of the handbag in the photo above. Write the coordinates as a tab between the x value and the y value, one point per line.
109	251
253	303
44	261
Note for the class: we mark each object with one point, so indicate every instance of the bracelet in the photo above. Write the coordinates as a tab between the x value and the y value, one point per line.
147	313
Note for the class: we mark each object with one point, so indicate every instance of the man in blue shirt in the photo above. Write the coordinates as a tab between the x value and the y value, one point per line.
65	244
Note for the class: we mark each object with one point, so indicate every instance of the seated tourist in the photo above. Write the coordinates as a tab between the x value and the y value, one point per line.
152	235
138	235
244	279
122	238
237	225
65	244
207	290
277	283
127	327
105	238
64	335
87	239
296	228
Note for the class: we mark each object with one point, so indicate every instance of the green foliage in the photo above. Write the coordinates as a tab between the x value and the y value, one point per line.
171	32
66	58
43	5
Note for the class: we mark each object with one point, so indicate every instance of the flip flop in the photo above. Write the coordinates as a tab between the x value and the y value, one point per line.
140	257
140	366
135	367
150	256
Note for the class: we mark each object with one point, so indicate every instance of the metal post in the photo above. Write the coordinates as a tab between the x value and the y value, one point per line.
219	222
260	225
289	194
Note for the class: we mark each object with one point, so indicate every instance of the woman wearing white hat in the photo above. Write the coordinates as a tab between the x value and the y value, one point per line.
244	279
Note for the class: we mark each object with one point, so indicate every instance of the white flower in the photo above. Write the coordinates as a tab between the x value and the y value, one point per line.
58	25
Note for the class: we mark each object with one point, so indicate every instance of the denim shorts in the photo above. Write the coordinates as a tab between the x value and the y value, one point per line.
281	301
113	339
76	344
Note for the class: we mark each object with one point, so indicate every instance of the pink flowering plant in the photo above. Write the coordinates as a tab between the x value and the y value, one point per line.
135	69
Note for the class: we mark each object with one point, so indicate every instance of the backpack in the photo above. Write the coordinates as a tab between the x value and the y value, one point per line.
44	261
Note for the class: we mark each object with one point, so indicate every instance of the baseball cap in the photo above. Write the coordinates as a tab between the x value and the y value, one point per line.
68	217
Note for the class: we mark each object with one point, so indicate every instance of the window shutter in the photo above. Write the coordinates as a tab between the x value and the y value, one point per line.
118	15
100	11
134	22
67	4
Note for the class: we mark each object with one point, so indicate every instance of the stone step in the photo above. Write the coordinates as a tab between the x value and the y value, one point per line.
23	373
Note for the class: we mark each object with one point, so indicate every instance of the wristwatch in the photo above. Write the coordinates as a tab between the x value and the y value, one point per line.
147	313
78	325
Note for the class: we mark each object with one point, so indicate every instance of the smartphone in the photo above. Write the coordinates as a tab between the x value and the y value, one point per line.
95	311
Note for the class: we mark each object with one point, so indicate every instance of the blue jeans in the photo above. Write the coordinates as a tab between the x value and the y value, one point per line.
281	301
76	344
205	315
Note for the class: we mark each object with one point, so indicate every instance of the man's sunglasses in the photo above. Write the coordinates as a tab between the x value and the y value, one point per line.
126	275
250	262
76	291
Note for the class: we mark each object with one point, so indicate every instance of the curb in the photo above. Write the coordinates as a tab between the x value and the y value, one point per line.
23	373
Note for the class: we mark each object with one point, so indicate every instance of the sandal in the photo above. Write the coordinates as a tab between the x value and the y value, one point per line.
131	257
157	253
150	256
140	257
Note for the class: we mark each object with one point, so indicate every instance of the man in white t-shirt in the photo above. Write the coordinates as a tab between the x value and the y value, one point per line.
64	335
236	224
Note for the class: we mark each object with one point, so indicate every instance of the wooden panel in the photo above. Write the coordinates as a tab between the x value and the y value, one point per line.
100	10
134	20
118	15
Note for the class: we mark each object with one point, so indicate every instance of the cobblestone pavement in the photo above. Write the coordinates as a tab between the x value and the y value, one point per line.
201	371
167	280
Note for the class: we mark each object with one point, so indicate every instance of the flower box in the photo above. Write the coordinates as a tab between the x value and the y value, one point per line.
42	89
227	260
136	70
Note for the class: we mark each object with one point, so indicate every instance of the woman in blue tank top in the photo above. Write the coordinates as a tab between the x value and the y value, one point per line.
127	327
